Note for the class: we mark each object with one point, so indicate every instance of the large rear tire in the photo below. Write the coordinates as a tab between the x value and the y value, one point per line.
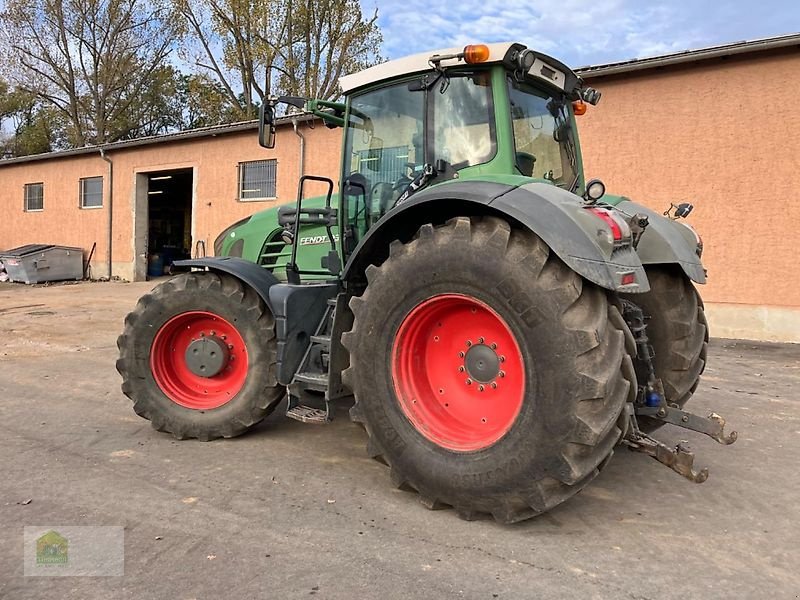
677	330
488	375
197	357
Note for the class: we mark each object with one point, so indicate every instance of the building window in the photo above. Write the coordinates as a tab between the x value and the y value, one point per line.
258	179
91	193
34	197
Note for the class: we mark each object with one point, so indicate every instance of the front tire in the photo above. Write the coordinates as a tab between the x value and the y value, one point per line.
552	421
197	357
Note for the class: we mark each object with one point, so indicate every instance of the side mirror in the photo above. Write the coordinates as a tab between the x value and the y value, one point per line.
683	210
591	95
266	125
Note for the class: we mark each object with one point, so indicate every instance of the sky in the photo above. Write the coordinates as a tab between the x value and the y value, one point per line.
580	32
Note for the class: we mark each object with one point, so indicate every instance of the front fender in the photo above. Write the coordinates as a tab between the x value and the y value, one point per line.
555	215
245	271
666	242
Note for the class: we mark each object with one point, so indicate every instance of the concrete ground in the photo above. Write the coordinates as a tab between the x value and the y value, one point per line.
296	511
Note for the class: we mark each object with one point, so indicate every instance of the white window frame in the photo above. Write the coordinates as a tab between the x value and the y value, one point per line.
82	192
26	196
273	162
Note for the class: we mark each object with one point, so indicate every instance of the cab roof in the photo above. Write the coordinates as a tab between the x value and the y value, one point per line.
545	67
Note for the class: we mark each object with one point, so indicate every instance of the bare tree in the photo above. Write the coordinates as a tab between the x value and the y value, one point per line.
259	47
329	38
92	60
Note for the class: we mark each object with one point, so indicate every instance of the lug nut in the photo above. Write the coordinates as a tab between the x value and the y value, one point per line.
480	340
469	343
494	385
461	355
494	346
480	388
502	373
460	369
469	381
502	359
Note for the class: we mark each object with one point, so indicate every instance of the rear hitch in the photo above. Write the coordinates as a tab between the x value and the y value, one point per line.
680	458
651	402
713	426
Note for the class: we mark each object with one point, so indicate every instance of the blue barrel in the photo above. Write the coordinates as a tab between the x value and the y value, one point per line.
155	265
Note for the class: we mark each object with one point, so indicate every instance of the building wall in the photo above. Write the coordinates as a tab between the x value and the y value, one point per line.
724	135
62	221
214	161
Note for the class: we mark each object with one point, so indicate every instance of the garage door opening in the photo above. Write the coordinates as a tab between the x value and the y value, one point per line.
168	206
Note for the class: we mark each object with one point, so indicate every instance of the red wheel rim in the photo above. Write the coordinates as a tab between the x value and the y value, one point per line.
172	373
458	372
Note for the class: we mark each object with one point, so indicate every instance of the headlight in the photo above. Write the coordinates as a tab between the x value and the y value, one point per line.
595	190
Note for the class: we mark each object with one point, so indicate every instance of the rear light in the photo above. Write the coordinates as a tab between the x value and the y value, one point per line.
628	278
620	230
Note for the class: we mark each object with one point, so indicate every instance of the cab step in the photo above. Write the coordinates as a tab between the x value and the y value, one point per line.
313	381
307	414
322	340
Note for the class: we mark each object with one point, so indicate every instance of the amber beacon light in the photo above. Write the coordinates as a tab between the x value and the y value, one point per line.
579	107
476	53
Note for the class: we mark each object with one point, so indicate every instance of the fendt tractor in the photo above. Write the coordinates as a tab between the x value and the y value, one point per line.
498	324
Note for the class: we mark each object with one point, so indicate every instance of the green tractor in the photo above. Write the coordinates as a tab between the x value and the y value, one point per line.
498	324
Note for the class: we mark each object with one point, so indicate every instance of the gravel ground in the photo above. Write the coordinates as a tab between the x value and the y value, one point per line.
297	511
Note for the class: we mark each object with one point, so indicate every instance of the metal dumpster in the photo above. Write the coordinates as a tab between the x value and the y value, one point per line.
36	263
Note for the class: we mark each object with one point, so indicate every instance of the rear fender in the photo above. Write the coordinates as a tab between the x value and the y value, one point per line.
555	215
666	242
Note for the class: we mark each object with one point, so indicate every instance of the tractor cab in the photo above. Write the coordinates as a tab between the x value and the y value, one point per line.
499	110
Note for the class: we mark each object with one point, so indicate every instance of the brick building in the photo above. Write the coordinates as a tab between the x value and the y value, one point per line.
714	126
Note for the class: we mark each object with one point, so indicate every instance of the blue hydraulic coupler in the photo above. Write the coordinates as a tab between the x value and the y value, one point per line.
653	398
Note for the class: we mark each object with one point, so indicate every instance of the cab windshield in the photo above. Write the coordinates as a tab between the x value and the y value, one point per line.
393	132
543	137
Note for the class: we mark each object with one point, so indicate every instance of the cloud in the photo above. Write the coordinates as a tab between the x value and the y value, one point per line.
579	32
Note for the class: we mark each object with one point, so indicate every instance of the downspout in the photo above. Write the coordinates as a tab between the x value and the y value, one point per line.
110	205
302	147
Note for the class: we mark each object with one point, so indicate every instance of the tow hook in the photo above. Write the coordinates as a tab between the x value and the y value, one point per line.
651	402
680	458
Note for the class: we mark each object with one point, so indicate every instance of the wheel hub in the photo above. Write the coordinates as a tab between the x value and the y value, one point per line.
207	356
482	363
199	360
458	372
